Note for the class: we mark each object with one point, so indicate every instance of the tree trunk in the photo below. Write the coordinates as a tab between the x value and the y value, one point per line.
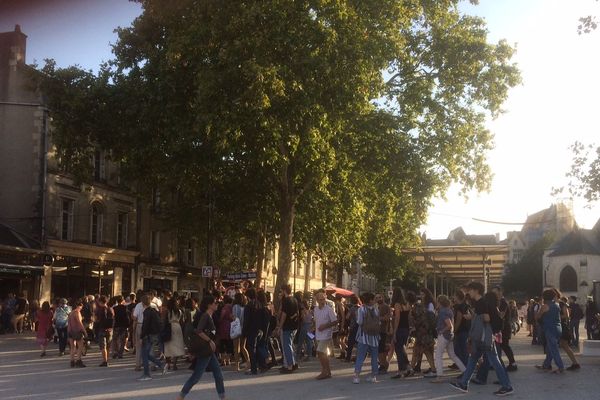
307	270
286	234
260	256
324	273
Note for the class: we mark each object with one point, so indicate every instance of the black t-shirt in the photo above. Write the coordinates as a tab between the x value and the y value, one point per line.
289	306
463	308
506	321
22	306
121	316
480	307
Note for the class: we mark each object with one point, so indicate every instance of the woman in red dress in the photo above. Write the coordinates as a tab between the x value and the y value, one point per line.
44	324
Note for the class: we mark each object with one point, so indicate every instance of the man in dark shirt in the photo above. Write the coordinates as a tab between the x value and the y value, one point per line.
482	344
504	312
122	322
462	324
576	317
104	317
149	336
287	325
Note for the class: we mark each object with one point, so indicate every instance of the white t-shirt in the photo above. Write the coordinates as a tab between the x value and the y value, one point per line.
138	312
324	315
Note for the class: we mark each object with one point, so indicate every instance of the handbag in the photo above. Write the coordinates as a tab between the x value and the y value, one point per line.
235	330
199	347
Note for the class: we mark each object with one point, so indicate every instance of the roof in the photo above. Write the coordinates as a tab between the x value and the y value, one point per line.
579	241
458	237
10	237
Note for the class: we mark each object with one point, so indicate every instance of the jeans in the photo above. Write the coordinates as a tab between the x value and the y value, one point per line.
400	347
442	345
552	352
304	341
361	354
460	346
477	351
147	353
484	368
257	352
62	338
287	347
575	331
201	364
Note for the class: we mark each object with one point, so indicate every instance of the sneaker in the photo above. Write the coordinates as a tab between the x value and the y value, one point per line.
373	379
504	391
511	367
356	380
430	374
145	378
294	367
104	364
574	367
459	386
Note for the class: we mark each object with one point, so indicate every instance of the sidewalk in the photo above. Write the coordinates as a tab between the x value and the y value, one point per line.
24	375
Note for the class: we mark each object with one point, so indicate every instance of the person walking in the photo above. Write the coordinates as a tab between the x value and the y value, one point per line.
482	343
122	323
44	327
175	347
576	317
462	324
385	315
566	336
138	321
206	330
401	330
61	320
325	319
505	315
20	312
104	318
549	314
287	326
240	354
590	318
445	331
149	336
76	333
367	337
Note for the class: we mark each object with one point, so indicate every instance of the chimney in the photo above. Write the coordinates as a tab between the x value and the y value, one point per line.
12	48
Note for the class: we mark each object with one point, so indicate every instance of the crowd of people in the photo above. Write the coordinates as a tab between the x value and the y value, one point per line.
246	334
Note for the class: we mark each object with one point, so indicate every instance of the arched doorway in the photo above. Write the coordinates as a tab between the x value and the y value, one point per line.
568	279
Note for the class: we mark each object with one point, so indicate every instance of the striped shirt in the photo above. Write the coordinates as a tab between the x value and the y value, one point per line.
361	337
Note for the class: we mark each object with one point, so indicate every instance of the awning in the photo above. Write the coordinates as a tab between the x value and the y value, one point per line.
461	264
23	270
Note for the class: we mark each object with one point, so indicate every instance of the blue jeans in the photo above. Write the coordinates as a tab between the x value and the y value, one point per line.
484	368
304	341
62	338
201	364
477	351
287	347
361	354
401	339
460	346
552	352
148	354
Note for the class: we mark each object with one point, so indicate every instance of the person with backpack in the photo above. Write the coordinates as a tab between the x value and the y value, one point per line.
61	318
104	318
576	317
367	337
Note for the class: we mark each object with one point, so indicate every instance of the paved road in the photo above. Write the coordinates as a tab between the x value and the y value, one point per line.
24	375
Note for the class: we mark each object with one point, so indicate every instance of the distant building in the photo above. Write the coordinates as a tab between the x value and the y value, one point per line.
556	220
572	263
458	237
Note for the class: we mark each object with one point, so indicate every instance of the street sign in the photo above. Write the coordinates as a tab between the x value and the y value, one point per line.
207	272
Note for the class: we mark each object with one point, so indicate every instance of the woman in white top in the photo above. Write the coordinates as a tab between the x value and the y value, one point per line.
175	347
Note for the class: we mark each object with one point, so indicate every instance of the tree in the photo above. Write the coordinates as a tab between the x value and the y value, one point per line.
584	175
346	117
526	276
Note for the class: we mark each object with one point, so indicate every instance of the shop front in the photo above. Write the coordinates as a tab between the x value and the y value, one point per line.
157	277
21	272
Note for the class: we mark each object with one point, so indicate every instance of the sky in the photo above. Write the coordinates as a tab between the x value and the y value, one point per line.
556	105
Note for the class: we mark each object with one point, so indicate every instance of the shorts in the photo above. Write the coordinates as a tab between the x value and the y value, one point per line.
76	335
104	338
325	346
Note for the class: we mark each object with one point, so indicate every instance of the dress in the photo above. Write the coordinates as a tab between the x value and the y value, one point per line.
175	347
44	322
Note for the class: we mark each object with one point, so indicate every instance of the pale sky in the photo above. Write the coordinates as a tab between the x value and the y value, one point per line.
556	105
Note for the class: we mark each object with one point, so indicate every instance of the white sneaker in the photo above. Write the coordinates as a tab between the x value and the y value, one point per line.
373	379
356	380
145	378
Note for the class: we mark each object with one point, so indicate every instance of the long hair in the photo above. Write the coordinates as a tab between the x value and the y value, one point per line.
398	296
427	297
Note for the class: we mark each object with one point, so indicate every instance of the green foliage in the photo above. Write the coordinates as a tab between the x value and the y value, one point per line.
526	276
584	176
329	124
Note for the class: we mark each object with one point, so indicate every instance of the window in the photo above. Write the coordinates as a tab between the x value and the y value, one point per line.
568	279
122	219
96	225
155	245
66	232
99	165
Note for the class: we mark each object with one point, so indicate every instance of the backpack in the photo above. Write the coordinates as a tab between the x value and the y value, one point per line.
371	324
61	317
